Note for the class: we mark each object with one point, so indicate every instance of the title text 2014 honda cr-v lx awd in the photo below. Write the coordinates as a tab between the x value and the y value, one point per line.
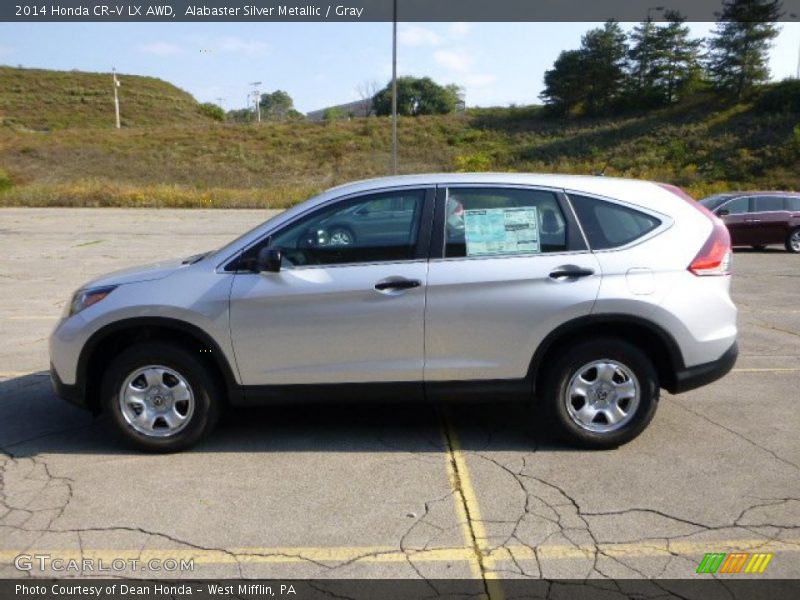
589	294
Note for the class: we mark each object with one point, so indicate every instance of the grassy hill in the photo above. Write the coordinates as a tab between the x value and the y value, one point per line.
181	158
39	99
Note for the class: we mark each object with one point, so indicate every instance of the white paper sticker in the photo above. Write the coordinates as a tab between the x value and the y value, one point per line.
502	231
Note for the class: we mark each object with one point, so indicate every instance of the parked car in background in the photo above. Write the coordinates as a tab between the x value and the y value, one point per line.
759	219
589	294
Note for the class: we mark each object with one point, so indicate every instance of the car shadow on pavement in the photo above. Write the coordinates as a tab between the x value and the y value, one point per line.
34	421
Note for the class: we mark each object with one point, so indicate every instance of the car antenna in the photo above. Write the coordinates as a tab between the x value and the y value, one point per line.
602	172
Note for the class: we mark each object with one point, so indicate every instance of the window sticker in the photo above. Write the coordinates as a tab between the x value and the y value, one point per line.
502	231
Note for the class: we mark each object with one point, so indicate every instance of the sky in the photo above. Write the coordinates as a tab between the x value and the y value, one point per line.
323	64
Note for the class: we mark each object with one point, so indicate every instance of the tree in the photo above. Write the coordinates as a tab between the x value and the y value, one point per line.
604	51
644	60
679	58
276	106
366	91
416	96
740	45
592	77
564	83
664	61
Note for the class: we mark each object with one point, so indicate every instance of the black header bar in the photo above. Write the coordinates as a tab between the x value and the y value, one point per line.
363	10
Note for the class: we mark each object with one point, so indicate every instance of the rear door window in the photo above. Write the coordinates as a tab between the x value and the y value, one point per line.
610	225
768	203
503	222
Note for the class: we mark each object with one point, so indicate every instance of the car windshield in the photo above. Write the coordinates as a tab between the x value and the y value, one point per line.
712	202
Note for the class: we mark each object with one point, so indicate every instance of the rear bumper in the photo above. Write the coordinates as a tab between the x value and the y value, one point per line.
690	378
71	393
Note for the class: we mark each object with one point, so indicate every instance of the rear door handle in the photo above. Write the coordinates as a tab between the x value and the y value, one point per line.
400	284
570	272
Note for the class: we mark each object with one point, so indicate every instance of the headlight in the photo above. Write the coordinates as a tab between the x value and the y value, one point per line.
85	298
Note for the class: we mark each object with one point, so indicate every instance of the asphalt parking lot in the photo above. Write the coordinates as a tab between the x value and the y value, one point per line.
386	491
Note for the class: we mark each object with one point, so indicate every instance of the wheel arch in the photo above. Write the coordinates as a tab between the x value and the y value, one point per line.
106	343
654	341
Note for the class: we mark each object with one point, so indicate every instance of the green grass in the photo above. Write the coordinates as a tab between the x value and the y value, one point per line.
74	156
39	99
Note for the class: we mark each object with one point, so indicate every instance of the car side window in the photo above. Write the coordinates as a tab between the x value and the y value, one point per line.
376	228
768	203
737	206
793	203
610	225
503	222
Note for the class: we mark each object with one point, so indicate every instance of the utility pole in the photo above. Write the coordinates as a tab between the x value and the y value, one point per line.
116	96
257	99
394	88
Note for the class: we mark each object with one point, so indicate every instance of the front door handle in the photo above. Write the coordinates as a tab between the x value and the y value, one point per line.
570	272
400	284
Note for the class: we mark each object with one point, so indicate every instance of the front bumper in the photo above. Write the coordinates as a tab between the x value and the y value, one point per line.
73	394
690	378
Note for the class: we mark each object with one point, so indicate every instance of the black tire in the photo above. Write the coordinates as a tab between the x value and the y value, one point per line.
794	233
758	247
567	365
206	392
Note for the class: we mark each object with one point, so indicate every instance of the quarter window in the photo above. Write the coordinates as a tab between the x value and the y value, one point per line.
609	225
503	222
793	203
374	228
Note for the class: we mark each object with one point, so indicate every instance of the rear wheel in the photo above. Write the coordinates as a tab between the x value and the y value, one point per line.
793	241
161	397
601	393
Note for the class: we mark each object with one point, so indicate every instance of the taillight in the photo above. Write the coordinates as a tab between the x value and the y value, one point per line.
714	257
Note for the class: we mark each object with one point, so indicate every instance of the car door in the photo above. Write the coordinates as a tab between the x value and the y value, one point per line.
735	214
335	314
501	277
768	220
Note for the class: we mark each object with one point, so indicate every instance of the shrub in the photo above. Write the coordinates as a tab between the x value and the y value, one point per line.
477	161
211	110
780	97
5	181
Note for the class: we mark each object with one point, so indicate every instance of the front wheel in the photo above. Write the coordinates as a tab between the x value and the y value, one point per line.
601	393
161	397
793	241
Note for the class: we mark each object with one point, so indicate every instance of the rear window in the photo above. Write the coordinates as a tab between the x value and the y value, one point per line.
609	225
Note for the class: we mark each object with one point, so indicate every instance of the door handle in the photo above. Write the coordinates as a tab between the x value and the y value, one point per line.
570	272
400	284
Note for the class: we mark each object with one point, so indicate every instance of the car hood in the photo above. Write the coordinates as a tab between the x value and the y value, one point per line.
149	272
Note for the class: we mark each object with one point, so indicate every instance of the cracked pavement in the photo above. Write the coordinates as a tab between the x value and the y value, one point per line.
394	491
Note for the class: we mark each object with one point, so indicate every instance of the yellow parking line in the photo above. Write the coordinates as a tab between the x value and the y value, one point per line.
469	513
381	554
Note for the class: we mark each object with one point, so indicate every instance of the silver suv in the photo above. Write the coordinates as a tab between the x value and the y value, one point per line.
587	293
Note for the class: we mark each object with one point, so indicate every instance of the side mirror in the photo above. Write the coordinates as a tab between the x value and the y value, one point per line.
269	260
723	213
